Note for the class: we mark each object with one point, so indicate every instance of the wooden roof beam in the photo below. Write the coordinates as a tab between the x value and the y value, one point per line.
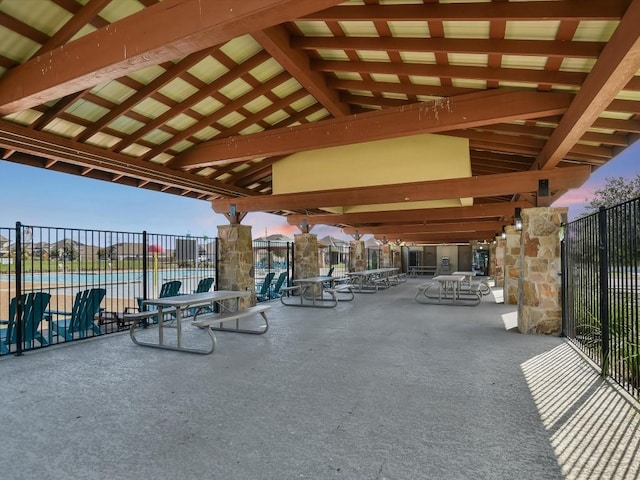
154	35
464	111
425	215
483	186
404	88
520	75
82	17
618	63
275	40
509	11
55	148
469	226
544	48
435	238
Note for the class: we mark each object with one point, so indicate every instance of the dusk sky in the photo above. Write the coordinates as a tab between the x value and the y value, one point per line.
39	197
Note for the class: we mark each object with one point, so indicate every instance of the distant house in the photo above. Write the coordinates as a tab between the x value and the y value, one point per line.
334	250
127	251
4	246
68	249
276	237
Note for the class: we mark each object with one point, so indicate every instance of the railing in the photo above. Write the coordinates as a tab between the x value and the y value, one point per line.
334	257
62	262
271	257
600	290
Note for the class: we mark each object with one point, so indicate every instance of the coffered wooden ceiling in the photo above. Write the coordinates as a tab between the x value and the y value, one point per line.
200	98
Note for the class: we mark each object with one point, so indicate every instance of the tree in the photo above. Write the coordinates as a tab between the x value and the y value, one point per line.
615	190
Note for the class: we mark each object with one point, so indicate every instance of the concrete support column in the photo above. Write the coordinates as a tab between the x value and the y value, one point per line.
501	245
396	257
492	260
357	256
385	256
540	304
511	265
235	261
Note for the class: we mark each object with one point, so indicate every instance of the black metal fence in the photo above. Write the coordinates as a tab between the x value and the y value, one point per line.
600	290
273	267
88	279
334	259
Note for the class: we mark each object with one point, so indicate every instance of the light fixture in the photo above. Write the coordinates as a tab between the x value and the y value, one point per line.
504	234
518	219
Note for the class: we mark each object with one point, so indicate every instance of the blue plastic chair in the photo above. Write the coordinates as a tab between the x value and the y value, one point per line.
204	285
34	305
275	291
80	322
263	294
168	289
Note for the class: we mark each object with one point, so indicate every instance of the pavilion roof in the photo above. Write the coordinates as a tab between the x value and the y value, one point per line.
200	99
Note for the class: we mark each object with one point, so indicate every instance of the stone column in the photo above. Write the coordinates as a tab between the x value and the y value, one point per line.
511	265
357	256
235	262
306	255
500	249
540	304
385	256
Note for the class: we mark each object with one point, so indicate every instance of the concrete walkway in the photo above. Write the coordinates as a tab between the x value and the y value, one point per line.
378	388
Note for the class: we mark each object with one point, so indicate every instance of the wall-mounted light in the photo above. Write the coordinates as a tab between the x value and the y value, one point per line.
518	219
504	234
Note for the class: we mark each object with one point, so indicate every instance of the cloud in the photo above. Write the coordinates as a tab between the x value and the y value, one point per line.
577	196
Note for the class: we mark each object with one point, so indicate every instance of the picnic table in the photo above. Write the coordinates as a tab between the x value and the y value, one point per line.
207	310
445	290
317	292
369	281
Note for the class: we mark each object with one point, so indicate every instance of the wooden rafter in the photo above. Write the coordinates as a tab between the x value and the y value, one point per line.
145	91
484	186
513	11
222	112
192	100
545	48
435	238
434	117
619	62
423	216
519	75
448	227
55	148
275	40
160	33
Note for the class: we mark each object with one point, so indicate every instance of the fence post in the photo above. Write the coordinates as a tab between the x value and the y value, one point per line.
19	305
564	284
217	267
604	289
144	264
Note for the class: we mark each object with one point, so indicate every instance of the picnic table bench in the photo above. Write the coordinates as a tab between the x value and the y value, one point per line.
415	270
311	292
202	309
445	290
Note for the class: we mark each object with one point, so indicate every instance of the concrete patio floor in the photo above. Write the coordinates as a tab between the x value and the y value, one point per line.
378	388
